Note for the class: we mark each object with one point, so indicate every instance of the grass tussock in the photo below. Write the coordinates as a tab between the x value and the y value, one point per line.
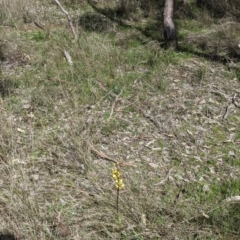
126	140
14	11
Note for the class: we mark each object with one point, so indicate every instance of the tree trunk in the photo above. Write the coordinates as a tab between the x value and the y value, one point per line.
168	25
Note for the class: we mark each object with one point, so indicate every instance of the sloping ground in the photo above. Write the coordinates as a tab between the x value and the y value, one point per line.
171	118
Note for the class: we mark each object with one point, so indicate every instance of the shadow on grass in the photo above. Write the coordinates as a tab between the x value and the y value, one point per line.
104	19
116	16
213	57
7	236
220	9
7	86
222	221
95	22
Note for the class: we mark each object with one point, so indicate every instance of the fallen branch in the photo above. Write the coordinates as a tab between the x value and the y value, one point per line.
113	105
233	199
226	112
68	18
165	179
68	57
39	25
105	157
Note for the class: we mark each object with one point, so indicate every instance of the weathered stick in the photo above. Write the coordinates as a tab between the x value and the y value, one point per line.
68	17
113	105
105	157
165	179
68	57
39	25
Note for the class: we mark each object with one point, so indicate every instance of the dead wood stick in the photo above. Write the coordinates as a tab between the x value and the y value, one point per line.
101	154
165	179
113	105
68	57
105	157
68	18
39	25
226	113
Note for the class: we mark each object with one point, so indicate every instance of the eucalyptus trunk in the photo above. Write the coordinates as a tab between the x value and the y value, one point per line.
170	35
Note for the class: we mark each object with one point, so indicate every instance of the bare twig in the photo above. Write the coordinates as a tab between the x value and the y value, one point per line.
39	25
165	179
226	112
105	157
113	105
68	17
68	57
233	199
101	154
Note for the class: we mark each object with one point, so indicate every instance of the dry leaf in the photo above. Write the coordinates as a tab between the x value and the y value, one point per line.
21	130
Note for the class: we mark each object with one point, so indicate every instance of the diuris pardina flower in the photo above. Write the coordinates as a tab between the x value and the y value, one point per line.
119	182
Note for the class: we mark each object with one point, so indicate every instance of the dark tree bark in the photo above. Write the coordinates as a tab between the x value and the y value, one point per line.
168	25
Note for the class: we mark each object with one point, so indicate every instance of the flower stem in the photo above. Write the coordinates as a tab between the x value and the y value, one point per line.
117	199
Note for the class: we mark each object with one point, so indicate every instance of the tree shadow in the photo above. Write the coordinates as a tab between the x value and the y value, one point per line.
220	9
213	57
7	236
106	18
117	16
94	22
7	86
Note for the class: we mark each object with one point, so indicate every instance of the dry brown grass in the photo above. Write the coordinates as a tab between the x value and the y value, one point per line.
151	109
221	40
15	11
221	8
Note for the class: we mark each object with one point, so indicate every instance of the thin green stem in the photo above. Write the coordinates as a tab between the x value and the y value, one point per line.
117	200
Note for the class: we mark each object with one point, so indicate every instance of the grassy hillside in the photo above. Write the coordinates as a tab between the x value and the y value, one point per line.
171	120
